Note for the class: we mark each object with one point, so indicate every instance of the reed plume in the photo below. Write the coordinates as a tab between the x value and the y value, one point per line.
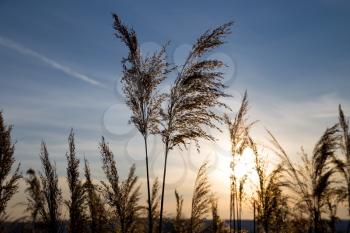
35	198
270	202
198	89
179	226
51	213
8	182
97	212
122	196
141	78
238	128
342	162
312	181
155	202
200	200
76	203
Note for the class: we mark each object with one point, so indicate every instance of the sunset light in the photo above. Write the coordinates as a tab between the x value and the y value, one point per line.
175	116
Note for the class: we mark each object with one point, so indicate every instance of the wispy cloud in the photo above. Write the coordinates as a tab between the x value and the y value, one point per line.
52	63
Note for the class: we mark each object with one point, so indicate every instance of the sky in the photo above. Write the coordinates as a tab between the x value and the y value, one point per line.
60	68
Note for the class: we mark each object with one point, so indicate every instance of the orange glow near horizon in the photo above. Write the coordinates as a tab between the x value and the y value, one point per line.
244	166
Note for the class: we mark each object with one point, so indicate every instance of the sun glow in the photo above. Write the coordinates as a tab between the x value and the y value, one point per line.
243	166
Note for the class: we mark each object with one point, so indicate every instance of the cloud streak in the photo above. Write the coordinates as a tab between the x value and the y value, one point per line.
52	63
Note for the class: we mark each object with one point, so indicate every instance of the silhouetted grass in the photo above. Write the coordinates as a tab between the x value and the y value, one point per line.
8	181
121	196
51	211
35	199
292	197
141	77
76	204
97	213
197	89
312	182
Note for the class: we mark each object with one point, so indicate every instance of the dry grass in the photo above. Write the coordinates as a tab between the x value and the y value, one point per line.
35	199
141	78
98	215
312	181
238	128
200	200
8	181
121	196
181	117
51	213
76	204
179	224
198	89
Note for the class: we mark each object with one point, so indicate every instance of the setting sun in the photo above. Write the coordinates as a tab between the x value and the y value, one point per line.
244	164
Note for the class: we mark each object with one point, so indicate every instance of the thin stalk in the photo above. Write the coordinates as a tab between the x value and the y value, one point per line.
234	214
240	214
237	210
348	227
233	207
234	210
230	212
163	185
254	216
150	222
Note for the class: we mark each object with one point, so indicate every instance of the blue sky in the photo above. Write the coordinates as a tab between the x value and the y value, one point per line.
60	68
